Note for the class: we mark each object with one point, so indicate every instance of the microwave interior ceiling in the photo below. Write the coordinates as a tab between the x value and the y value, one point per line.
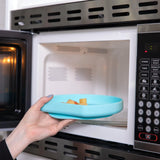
86	14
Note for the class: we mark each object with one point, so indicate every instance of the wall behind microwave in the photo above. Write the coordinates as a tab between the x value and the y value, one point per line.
2	14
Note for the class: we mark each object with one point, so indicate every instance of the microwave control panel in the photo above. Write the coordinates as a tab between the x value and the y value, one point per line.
147	112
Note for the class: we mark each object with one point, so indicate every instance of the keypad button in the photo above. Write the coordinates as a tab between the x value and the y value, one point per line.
149	104
144	68
144	74
148	136
155	75
144	81
155	81
155	69
143	88
156	121
143	95
156	113
140	103
140	128
155	62
144	61
148	129
156	130
140	112
154	89
148	112
148	120
157	105
155	97
140	119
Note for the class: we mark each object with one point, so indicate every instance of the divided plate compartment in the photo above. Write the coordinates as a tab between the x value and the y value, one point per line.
85	14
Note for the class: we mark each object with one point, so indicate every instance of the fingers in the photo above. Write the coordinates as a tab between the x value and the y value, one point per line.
40	103
64	123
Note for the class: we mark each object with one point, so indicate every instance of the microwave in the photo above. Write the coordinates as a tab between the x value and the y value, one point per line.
121	61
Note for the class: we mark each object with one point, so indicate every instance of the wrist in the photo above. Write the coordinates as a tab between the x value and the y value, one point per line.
17	141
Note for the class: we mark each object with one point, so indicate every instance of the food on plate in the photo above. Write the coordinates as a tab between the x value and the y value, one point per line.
82	101
71	102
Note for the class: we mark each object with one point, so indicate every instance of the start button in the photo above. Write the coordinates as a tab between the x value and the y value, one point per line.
148	136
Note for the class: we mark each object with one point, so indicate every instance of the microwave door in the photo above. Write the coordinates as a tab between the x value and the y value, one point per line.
15	70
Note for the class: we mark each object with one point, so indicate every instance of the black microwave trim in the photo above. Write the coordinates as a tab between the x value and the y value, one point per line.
23	40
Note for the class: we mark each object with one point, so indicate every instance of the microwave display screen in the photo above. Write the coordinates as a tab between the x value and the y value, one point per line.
152	48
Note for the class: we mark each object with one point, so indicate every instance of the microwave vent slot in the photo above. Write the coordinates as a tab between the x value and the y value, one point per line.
57	74
120	10
74	11
54	14
115	157
96	13
35	18
150	3
51	143
70	155
74	15
35	15
122	6
148	8
68	49
153	11
120	14
47	149
96	50
97	9
36	22
69	147
54	17
54	20
92	154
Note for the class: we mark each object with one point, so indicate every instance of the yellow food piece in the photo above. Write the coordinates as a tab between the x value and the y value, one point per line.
71	102
82	101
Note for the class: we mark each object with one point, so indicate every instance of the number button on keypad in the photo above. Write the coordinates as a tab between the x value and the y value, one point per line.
148	120
148	112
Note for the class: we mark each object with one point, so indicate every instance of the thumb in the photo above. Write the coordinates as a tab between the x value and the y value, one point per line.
40	103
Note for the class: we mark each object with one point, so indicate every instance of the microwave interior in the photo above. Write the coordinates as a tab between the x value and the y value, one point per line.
10	70
89	67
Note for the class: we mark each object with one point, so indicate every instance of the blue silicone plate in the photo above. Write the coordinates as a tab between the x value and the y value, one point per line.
99	106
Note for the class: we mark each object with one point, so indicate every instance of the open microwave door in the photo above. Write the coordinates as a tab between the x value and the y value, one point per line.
15	75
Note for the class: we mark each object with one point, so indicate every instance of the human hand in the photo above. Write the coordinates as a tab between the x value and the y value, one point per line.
34	126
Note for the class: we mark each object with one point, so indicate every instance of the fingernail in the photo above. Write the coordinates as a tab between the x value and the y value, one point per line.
50	95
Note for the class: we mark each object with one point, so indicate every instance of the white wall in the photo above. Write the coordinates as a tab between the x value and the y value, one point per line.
2	14
32	3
